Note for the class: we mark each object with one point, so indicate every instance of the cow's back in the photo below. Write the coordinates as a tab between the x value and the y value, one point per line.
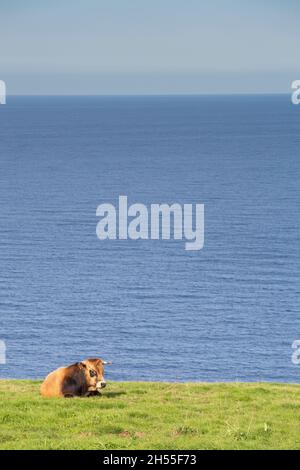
53	384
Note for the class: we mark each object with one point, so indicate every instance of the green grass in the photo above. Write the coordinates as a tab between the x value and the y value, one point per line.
152	416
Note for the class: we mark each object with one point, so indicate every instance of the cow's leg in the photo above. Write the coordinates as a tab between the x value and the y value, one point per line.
70	388
94	394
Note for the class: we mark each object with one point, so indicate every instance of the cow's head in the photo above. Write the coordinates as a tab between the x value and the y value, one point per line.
95	373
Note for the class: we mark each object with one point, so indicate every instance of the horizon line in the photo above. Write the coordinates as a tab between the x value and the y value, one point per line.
103	95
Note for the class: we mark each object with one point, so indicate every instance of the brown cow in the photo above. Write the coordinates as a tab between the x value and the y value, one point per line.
83	379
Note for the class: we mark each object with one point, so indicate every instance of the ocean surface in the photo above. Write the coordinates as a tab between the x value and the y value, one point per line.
229	312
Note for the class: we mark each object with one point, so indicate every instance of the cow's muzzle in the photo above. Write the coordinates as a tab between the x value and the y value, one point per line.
101	385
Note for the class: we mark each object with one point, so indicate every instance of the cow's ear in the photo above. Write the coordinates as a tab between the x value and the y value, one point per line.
81	365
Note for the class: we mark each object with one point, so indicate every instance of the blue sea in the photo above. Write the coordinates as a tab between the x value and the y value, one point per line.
227	313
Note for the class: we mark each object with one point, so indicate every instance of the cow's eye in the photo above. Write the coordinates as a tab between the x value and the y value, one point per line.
93	373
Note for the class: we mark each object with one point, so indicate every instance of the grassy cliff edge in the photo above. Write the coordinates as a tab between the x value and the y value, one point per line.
154	416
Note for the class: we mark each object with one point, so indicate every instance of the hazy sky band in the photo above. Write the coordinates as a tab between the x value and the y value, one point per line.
137	46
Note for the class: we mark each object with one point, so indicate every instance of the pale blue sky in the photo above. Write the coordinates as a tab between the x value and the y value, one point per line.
149	46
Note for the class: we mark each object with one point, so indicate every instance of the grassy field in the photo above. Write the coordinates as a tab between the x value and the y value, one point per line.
152	416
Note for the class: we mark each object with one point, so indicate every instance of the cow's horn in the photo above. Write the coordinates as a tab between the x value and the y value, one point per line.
106	363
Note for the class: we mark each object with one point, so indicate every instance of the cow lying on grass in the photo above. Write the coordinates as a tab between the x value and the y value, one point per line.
83	379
